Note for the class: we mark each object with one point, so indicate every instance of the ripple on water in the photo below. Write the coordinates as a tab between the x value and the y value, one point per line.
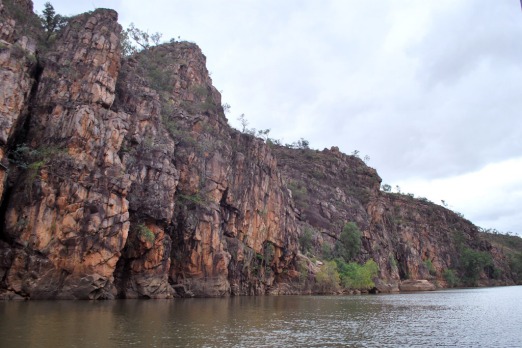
457	318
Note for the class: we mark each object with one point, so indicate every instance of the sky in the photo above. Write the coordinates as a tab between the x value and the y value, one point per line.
429	90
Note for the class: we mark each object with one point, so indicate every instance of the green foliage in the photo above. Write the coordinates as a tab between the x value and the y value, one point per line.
32	161
22	155
430	268
327	251
328	278
515	263
306	240
152	68
268	253
134	40
393	263
194	199
51	22
450	276
259	133
473	263
459	240
200	91
226	107
299	192
302	268
349	244
302	144
512	246
28	24
386	188
178	135
144	233
264	260
355	276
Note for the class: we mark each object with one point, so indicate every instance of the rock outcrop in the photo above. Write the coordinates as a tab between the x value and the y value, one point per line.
126	180
416	285
121	178
214	191
67	216
410	239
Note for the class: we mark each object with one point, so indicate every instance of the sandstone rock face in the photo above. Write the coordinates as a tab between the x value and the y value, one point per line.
408	238
17	73
416	285
215	192
121	178
127	180
67	216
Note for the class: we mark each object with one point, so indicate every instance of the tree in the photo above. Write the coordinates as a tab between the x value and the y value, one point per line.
450	277
303	144
263	133
226	108
386	188
51	22
355	276
473	263
349	243
133	36
244	122
328	278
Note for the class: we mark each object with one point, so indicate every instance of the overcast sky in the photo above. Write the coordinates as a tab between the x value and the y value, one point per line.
430	90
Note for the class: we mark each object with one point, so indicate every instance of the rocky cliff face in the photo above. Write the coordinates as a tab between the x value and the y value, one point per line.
410	239
120	178
126	181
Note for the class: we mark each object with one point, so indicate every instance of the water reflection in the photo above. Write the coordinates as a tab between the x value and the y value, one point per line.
463	318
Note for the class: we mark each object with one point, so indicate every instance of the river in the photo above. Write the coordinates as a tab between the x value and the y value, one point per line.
484	317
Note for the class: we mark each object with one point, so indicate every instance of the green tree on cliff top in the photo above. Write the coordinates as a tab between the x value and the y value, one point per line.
51	22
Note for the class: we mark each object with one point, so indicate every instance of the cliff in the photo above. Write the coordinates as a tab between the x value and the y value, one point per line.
121	178
410	239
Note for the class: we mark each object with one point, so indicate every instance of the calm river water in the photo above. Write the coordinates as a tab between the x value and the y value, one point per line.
487	317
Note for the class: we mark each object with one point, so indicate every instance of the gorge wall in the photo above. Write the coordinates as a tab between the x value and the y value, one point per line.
121	178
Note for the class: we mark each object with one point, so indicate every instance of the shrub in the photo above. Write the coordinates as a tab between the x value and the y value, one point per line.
326	251
268	253
328	278
450	276
193	200
299	194
393	263
302	268
306	240
349	243
355	276
472	263
430	268
515	264
144	233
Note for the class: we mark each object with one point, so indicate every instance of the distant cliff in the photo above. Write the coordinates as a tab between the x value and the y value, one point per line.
121	178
